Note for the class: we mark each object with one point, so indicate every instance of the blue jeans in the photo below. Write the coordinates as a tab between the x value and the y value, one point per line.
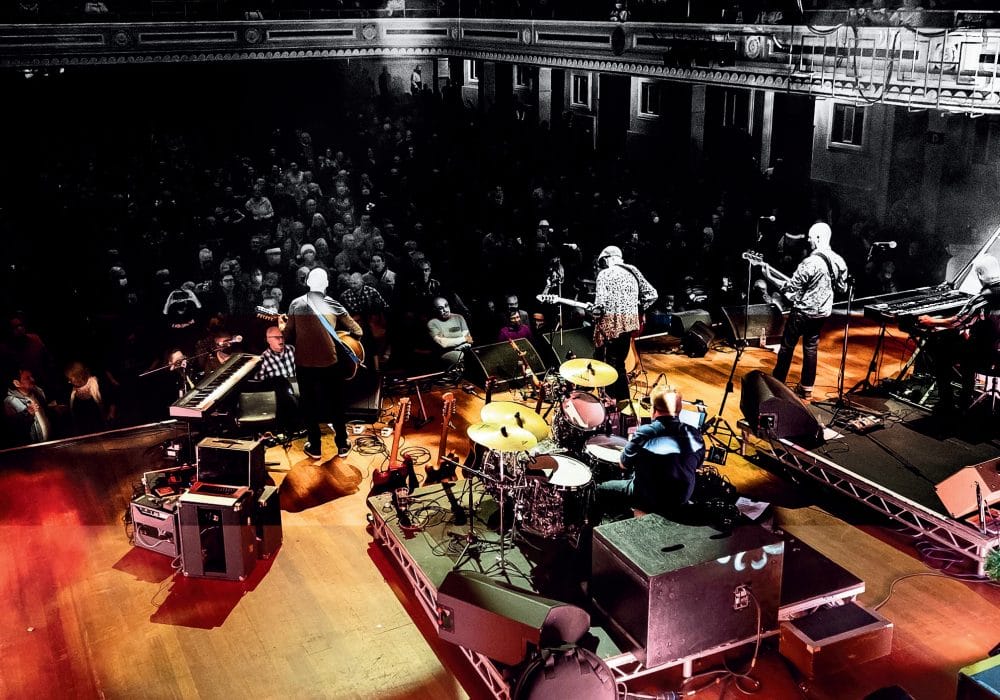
615	496
799	326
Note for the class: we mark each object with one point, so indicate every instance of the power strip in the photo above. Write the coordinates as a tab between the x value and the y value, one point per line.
866	424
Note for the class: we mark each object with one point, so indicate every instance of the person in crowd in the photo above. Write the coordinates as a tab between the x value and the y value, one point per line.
622	295
449	332
25	411
661	461
222	349
311	325
92	402
810	290
968	340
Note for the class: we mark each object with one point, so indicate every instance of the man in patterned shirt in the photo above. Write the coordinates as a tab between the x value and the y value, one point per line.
621	297
810	290
277	370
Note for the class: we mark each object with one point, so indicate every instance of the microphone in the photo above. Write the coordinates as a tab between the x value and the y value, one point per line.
771	218
232	341
884	244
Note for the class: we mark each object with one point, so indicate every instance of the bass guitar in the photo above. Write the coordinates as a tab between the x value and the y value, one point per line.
755	258
350	364
397	474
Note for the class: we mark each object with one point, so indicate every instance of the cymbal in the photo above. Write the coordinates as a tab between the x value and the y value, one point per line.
641	407
514	414
503	438
587	372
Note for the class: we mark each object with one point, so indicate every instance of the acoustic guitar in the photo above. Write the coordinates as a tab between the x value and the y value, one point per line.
350	365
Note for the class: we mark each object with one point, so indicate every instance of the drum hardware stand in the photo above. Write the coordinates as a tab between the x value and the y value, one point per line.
718	452
502	564
471	549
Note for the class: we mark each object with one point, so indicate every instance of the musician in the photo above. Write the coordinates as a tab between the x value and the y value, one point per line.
24	408
622	295
663	457
810	291
317	360
277	370
976	342
449	331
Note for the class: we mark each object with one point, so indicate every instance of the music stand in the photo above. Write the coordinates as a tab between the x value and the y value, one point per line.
718	421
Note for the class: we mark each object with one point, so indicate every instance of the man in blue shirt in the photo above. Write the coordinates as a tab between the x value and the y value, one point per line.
662	456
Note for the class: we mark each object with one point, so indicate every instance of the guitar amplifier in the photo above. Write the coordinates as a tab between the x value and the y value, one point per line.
154	522
231	462
267	522
218	539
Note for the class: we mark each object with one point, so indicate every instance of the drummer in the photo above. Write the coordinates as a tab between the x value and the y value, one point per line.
662	456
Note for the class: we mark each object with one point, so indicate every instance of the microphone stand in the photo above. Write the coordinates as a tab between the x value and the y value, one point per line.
865	382
718	422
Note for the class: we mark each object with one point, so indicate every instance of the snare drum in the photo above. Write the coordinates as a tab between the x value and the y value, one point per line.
603	453
557	502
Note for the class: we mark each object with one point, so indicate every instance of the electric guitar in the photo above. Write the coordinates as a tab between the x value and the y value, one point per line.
444	470
350	365
396	475
632	359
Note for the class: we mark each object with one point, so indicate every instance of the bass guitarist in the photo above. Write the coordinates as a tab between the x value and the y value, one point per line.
810	291
319	356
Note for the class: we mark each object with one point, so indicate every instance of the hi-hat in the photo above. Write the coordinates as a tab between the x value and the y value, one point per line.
514	414
502	438
586	372
639	407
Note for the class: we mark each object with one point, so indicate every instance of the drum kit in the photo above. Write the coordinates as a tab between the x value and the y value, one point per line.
549	484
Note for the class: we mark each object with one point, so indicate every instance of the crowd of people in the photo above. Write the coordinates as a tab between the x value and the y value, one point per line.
188	249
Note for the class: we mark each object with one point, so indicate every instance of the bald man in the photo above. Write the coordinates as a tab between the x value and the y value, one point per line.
810	291
663	457
974	340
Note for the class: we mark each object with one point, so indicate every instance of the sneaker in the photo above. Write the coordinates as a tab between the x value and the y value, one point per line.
311	451
803	392
343	450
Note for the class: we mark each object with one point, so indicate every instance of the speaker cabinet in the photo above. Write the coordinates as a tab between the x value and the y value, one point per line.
501	621
773	410
217	537
363	396
500	363
683	321
231	462
557	347
696	341
764	325
154	525
673	590
267	522
958	491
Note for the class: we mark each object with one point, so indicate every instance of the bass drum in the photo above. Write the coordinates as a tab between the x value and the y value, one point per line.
558	496
566	672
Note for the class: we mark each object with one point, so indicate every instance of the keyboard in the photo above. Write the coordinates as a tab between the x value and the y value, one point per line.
212	389
904	307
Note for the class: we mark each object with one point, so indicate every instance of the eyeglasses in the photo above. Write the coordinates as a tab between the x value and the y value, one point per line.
275	337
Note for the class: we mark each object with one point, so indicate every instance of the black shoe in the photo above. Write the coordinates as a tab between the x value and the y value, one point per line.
343	450
312	451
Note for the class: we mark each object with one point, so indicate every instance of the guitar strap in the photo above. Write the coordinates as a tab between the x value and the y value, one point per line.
333	333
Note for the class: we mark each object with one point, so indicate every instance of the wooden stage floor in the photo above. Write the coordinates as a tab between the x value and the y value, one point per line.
84	614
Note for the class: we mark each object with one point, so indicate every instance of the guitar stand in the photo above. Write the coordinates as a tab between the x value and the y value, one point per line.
421	419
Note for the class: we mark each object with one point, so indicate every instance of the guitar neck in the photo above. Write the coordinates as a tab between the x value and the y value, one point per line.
447	409
404	405
553	299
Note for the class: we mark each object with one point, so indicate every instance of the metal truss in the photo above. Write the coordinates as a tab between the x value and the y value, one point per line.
426	594
954	535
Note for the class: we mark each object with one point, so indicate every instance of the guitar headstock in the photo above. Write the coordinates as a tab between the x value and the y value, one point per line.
267	313
548	298
753	256
404	410
447	405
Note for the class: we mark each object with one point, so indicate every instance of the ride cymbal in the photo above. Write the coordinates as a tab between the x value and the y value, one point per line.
514	414
587	372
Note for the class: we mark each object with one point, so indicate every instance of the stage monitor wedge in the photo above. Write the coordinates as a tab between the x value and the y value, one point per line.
773	410
958	491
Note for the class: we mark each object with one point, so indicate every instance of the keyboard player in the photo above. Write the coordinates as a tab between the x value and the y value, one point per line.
968	340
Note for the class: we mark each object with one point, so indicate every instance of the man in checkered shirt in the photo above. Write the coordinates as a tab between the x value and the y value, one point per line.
277	368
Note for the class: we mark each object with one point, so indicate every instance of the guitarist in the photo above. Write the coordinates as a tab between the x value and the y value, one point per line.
623	294
318	358
810	290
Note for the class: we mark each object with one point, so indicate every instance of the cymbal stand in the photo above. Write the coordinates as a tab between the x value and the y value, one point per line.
718	423
502	565
472	541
